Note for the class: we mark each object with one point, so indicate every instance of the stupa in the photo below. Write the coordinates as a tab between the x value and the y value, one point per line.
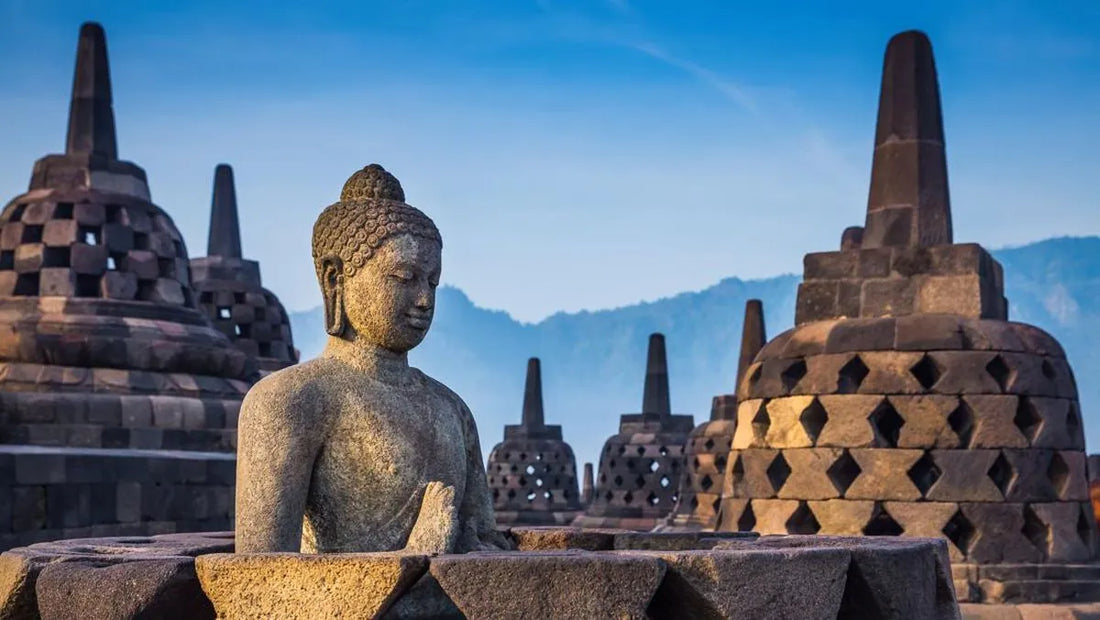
904	402
639	473
229	288
532	473
105	360
708	446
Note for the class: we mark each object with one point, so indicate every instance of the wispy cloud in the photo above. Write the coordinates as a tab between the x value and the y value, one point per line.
628	32
728	88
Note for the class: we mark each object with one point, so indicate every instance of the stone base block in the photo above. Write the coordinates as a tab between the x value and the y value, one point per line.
1027	583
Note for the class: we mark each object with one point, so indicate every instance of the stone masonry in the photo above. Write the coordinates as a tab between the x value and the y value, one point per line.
639	474
229	287
903	402
118	400
532	473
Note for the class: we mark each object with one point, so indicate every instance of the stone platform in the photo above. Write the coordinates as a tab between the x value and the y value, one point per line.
556	573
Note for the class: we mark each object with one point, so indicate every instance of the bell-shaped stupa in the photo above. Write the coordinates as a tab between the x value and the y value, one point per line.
532	473
904	402
229	287
107	367
639	473
708	446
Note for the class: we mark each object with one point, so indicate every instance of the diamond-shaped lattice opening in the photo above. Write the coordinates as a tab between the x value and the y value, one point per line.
999	370
843	472
1086	526
653	499
778	472
630	464
1048	370
720	462
639	482
1073	424
512	494
813	419
530	469
802	521
851	376
1036	531
654	465
761	422
618	481
706	483
522	481
628	498
747	520
640	450
709	445
1058	474
924	473
961	421
694	502
738	470
695	463
665	481
530	496
755	376
1027	418
887	424
663	451
882	524
926	371
792	374
1000	472
960	531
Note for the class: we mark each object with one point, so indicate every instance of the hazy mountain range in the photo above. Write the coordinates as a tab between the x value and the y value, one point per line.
593	362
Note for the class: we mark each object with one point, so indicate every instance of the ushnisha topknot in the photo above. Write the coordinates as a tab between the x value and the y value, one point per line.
371	209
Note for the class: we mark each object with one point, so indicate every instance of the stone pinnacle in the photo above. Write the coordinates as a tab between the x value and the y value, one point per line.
908	203
753	336
225	229
532	395
587	485
655	398
91	120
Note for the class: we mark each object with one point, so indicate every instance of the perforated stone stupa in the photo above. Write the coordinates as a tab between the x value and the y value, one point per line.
105	360
708	447
904	402
532	473
229	288
639	473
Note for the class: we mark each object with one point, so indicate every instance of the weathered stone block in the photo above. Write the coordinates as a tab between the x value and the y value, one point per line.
803	583
846	424
88	259
887	297
842	517
994	425
926	421
969	475
585	585
166	588
345	584
998	534
883	474
817	300
786	429
809	477
889	372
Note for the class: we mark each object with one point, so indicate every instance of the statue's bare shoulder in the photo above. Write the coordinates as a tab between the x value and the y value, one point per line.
446	394
297	397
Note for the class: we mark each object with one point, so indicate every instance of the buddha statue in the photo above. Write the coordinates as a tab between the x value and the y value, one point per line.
357	451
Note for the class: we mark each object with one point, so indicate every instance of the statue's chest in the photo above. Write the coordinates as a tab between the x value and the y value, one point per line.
414	438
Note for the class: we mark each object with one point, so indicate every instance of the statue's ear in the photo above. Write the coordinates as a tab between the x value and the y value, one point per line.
332	287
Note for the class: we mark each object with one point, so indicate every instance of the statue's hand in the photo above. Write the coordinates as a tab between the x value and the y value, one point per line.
436	526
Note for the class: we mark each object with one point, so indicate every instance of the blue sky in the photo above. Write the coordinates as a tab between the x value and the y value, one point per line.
576	155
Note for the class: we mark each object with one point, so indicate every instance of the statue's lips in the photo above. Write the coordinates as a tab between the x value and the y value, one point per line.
418	322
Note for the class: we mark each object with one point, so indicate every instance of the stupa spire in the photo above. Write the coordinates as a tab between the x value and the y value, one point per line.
753	336
908	203
655	398
91	119
533	416
225	229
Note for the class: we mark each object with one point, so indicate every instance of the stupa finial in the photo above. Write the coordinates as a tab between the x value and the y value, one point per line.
225	229
908	203
91	119
753	336
655	398
533	416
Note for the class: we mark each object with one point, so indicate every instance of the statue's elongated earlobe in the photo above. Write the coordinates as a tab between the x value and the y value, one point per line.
333	286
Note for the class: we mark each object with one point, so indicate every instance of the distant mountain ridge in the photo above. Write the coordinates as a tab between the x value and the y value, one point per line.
593	362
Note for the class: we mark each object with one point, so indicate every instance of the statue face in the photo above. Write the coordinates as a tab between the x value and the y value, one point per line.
390	301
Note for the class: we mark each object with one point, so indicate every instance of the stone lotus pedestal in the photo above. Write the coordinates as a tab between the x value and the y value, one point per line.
556	572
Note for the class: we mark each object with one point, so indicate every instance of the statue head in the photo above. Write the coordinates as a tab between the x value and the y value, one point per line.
378	262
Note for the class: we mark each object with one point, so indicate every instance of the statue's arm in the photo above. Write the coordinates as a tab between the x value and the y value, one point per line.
476	513
276	450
